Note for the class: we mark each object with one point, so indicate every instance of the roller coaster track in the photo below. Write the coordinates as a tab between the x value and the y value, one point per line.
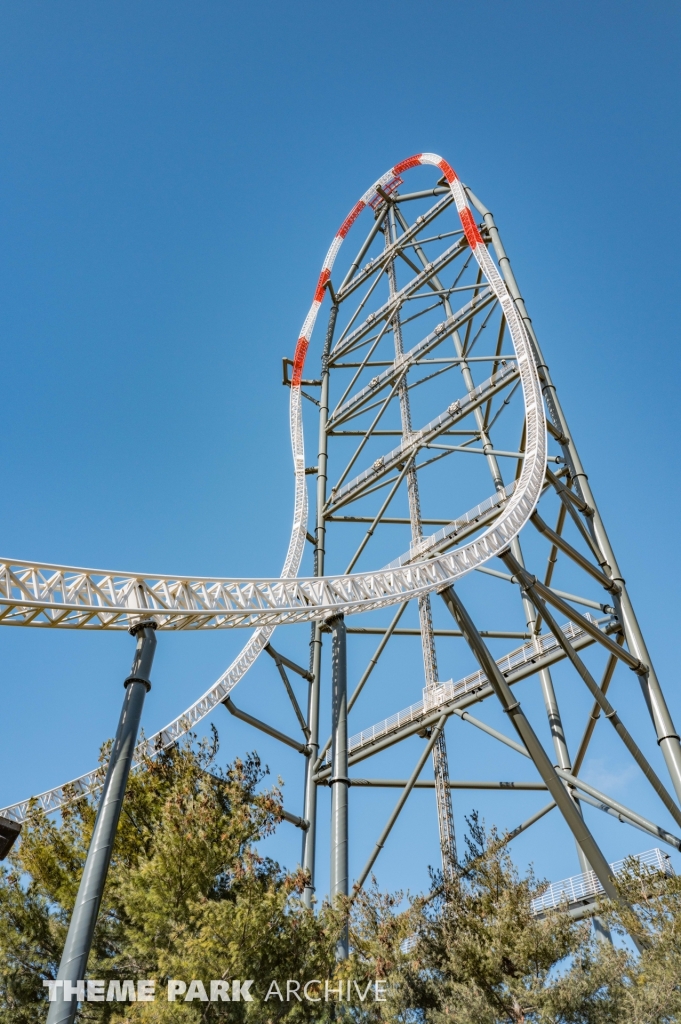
66	597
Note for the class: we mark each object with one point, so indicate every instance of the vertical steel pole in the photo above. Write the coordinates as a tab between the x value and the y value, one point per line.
84	918
339	780
667	735
443	793
310	795
310	799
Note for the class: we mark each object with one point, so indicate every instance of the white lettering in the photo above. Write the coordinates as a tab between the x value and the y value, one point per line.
176	988
196	991
240	991
274	990
336	991
77	990
119	993
219	990
290	990
52	987
95	991
366	991
310	998
146	991
380	988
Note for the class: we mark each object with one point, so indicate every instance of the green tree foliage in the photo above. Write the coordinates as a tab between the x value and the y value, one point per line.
475	954
188	896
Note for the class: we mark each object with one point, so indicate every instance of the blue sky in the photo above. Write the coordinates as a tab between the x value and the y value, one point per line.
172	175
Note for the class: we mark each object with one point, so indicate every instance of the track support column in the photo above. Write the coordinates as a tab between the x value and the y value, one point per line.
310	793
84	918
339	780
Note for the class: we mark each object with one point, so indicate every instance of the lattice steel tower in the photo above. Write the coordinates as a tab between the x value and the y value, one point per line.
442	450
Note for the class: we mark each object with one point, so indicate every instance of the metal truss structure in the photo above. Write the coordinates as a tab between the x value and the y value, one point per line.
441	436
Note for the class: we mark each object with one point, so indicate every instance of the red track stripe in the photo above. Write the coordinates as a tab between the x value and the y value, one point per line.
470	227
323	278
404	165
350	219
449	172
299	361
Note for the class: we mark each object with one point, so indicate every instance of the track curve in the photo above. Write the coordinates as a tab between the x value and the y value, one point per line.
229	603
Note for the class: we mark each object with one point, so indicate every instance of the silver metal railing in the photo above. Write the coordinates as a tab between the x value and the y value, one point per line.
443	694
586	887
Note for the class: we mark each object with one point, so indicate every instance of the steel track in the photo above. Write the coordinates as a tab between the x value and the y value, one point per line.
50	596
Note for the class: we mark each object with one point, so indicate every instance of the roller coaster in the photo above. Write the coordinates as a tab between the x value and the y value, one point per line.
426	323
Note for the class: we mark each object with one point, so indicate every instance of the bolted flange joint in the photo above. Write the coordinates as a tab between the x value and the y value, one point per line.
139	626
144	655
136	679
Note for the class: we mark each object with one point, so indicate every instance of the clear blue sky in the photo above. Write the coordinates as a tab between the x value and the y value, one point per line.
172	174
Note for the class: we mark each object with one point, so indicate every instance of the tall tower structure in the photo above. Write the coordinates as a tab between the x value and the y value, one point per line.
450	511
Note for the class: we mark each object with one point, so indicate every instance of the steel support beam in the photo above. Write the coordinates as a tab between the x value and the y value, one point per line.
295	819
279	661
308	854
667	734
264	727
339	780
595	713
367	672
524	825
453	784
512	707
74	958
491	633
529	586
309	850
404	796
598	799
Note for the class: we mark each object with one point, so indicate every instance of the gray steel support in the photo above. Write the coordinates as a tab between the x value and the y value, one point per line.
511	706
595	713
526	582
524	825
596	798
339	780
667	735
453	784
310	793
264	727
556	726
404	796
546	682
74	958
295	819
367	672
443	794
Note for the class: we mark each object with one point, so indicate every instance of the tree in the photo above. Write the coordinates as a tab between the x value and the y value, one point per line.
650	984
477	955
187	896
